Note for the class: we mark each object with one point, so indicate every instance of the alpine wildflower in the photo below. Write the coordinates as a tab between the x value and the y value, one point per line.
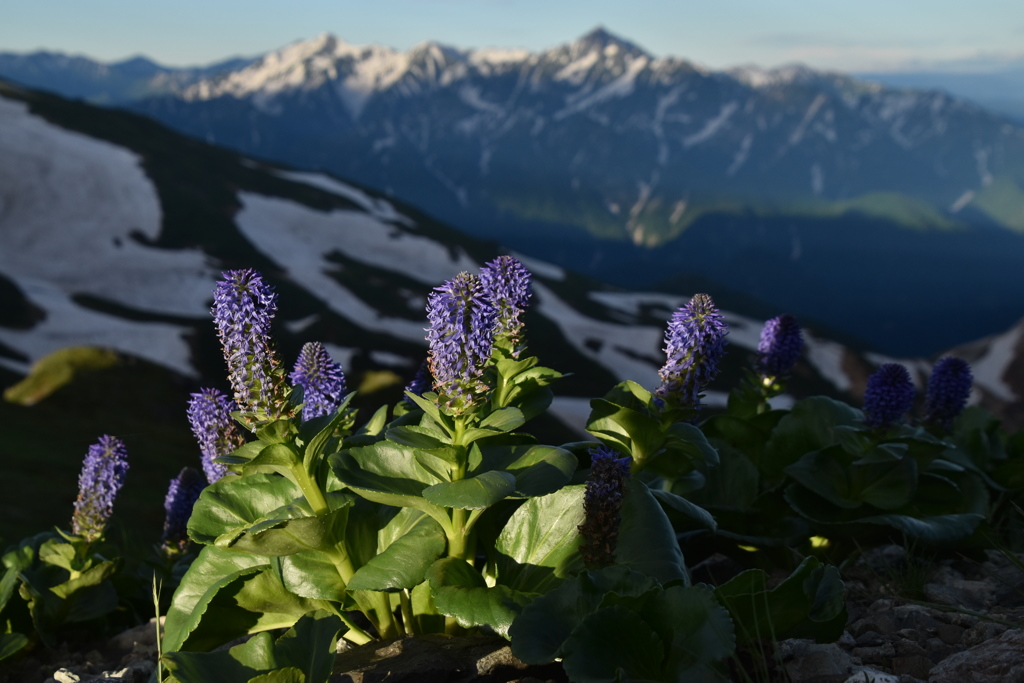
889	395
602	505
460	336
506	282
949	387
103	472
694	345
322	381
779	347
181	497
243	308
209	414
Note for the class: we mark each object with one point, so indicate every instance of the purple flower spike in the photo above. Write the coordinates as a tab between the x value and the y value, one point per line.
780	346
949	387
102	476
461	335
209	413
321	379
889	395
506	283
243	307
420	383
694	343
181	496
602	505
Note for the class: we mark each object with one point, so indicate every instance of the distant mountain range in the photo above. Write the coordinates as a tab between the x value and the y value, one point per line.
890	216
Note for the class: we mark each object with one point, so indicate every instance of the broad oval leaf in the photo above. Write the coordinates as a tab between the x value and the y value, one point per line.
614	644
403	563
230	505
213	569
539	546
460	592
647	542
474	493
538	470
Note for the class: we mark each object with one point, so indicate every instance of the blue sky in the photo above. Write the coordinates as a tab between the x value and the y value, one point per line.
833	34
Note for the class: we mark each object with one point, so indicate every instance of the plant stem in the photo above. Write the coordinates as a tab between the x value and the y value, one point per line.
314	496
354	634
387	626
408	618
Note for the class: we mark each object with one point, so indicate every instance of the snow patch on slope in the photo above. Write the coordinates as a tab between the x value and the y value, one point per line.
68	324
378	208
97	197
298	239
712	126
615	347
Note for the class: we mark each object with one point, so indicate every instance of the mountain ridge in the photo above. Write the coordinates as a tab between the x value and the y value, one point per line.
630	168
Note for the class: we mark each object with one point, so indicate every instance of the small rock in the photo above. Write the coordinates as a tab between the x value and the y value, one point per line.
917	666
865	674
981	632
143	634
806	660
950	634
995	661
870	639
875	655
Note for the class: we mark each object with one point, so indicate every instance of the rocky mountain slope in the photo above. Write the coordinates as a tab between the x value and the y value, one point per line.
118	228
813	192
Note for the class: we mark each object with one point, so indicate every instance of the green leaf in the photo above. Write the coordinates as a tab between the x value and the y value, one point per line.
427	403
375	425
460	591
734	483
309	646
287	675
647	542
696	629
689	439
230	505
11	644
388	473
59	553
415	436
539	546
243	454
503	420
312	575
280	458
308	657
91	577
289	530
404	562
540	630
249	604
933	528
213	569
670	501
538	470
810	603
613	644
886	483
629	394
315	447
809	426
630	431
473	493
278	431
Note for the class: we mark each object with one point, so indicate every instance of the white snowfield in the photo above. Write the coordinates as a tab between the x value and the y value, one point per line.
96	195
299	239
